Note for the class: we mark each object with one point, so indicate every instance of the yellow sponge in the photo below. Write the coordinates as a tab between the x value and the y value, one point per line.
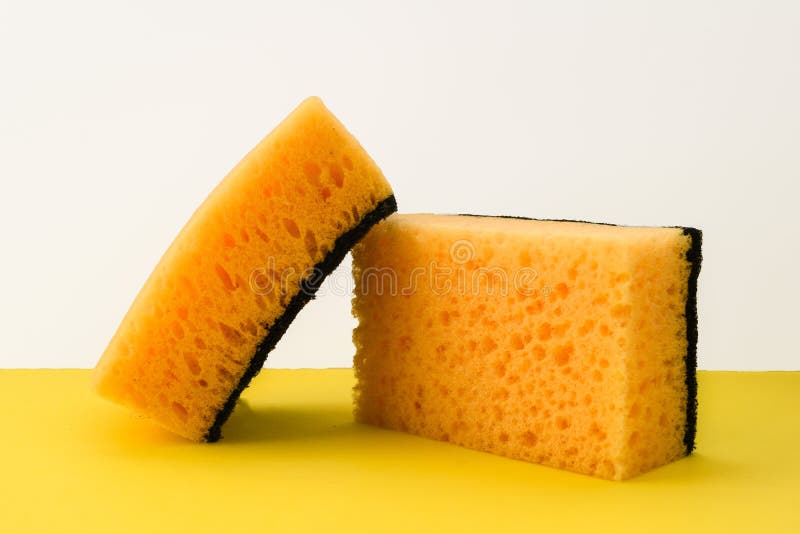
246	262
564	343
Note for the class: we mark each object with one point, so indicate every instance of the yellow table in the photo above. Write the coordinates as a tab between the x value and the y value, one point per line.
293	461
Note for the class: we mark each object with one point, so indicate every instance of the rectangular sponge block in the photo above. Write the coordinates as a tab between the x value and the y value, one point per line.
249	258
563	343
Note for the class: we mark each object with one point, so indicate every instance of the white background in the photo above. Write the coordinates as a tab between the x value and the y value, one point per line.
117	119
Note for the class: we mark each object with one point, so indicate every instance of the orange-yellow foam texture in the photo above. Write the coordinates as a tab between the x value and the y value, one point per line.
554	342
194	327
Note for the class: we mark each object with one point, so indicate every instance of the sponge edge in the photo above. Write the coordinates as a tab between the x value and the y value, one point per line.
593	371
250	257
309	286
695	258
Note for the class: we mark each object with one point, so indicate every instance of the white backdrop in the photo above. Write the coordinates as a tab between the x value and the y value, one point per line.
117	119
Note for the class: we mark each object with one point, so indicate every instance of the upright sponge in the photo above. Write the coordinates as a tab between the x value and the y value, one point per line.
237	274
564	343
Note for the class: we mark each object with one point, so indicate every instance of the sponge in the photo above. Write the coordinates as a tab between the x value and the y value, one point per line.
563	343
244	265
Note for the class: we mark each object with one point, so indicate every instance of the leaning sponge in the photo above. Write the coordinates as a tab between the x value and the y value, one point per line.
563	343
240	270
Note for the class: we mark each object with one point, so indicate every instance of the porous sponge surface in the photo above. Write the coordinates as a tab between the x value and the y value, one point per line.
577	361
194	327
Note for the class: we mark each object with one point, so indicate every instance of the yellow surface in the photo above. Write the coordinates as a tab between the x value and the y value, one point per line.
293	461
191	332
579	365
